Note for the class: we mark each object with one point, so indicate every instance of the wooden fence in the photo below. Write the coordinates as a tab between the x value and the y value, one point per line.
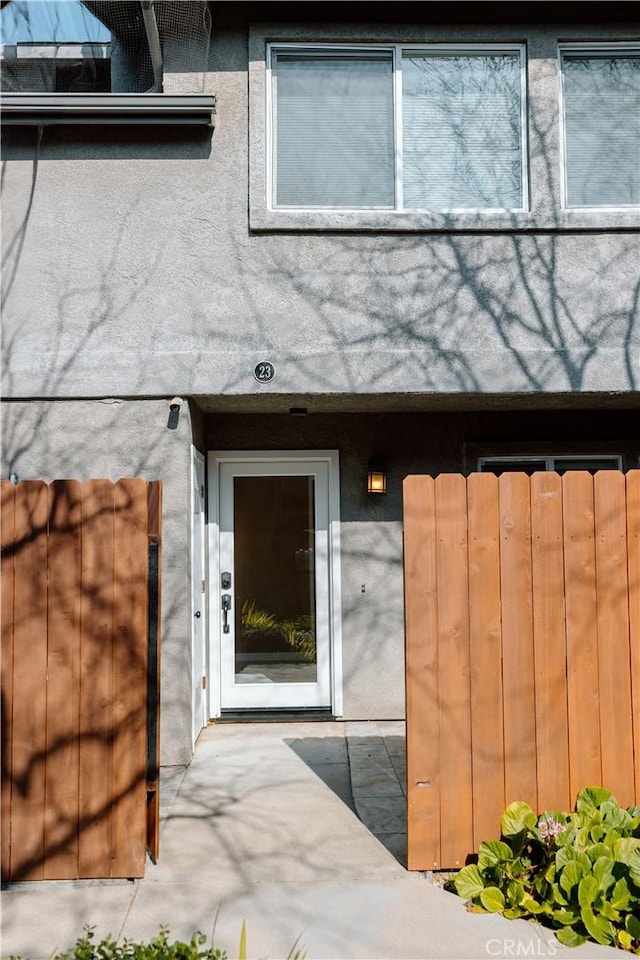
522	600
78	783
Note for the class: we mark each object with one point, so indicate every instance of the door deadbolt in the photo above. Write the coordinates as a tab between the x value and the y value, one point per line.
225	580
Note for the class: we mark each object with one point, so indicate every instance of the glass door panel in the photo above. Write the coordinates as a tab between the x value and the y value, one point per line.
275	598
274	588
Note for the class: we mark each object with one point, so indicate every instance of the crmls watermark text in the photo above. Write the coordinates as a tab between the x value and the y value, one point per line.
521	948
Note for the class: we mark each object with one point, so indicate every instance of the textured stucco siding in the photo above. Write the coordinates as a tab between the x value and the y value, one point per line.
132	270
114	438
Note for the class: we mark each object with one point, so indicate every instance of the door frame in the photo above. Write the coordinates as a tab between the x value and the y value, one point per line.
198	464
214	460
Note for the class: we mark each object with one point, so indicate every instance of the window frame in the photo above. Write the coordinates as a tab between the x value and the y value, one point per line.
482	463
594	49
397	50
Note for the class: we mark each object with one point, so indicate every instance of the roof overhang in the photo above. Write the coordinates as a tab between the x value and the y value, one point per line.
55	108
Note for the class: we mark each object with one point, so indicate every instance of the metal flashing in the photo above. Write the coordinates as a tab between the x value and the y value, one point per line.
160	108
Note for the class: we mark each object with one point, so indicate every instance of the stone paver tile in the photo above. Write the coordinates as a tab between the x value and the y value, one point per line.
369	747
382	814
396	843
374	780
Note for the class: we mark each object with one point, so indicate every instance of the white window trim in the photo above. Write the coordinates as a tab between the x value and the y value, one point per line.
586	49
396	50
484	462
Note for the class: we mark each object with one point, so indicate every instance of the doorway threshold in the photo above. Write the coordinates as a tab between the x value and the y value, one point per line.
252	715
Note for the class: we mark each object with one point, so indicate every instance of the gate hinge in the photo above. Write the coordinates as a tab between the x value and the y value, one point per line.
203	586
204	683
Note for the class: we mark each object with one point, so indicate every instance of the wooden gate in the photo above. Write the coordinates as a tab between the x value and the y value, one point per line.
522	600
79	612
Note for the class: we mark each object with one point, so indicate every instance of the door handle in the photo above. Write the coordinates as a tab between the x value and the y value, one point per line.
226	606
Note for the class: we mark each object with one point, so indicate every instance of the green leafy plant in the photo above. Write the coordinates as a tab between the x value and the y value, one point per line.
158	948
578	873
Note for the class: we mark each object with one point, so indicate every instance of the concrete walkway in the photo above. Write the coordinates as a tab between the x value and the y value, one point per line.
264	826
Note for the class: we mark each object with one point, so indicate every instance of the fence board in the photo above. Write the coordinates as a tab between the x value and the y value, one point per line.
453	639
613	635
633	547
421	617
63	714
7	534
549	641
29	678
583	701
518	670
539	625
96	666
487	721
130	678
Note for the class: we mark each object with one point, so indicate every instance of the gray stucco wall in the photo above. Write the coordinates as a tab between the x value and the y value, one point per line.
124	438
132	269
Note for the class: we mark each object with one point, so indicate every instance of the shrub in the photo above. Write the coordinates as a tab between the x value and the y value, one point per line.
578	873
158	948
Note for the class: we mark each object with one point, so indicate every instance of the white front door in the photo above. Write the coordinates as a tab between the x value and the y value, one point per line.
276	590
199	712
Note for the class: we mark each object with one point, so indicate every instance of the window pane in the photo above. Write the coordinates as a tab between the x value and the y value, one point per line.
53	47
602	130
462	138
512	466
592	464
334	131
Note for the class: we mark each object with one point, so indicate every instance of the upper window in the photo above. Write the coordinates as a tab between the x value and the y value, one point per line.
601	99
397	128
55	47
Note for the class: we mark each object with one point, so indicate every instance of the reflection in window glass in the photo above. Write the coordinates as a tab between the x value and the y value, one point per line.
602	129
462	131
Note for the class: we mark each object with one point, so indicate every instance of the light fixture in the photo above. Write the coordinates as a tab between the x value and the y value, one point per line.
174	413
376	477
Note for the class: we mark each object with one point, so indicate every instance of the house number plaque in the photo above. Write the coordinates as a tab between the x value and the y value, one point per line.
264	371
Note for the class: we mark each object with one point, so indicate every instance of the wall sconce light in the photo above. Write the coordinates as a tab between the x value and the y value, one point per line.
174	413
376	477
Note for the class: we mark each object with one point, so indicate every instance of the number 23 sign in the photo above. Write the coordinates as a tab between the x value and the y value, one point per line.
264	371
